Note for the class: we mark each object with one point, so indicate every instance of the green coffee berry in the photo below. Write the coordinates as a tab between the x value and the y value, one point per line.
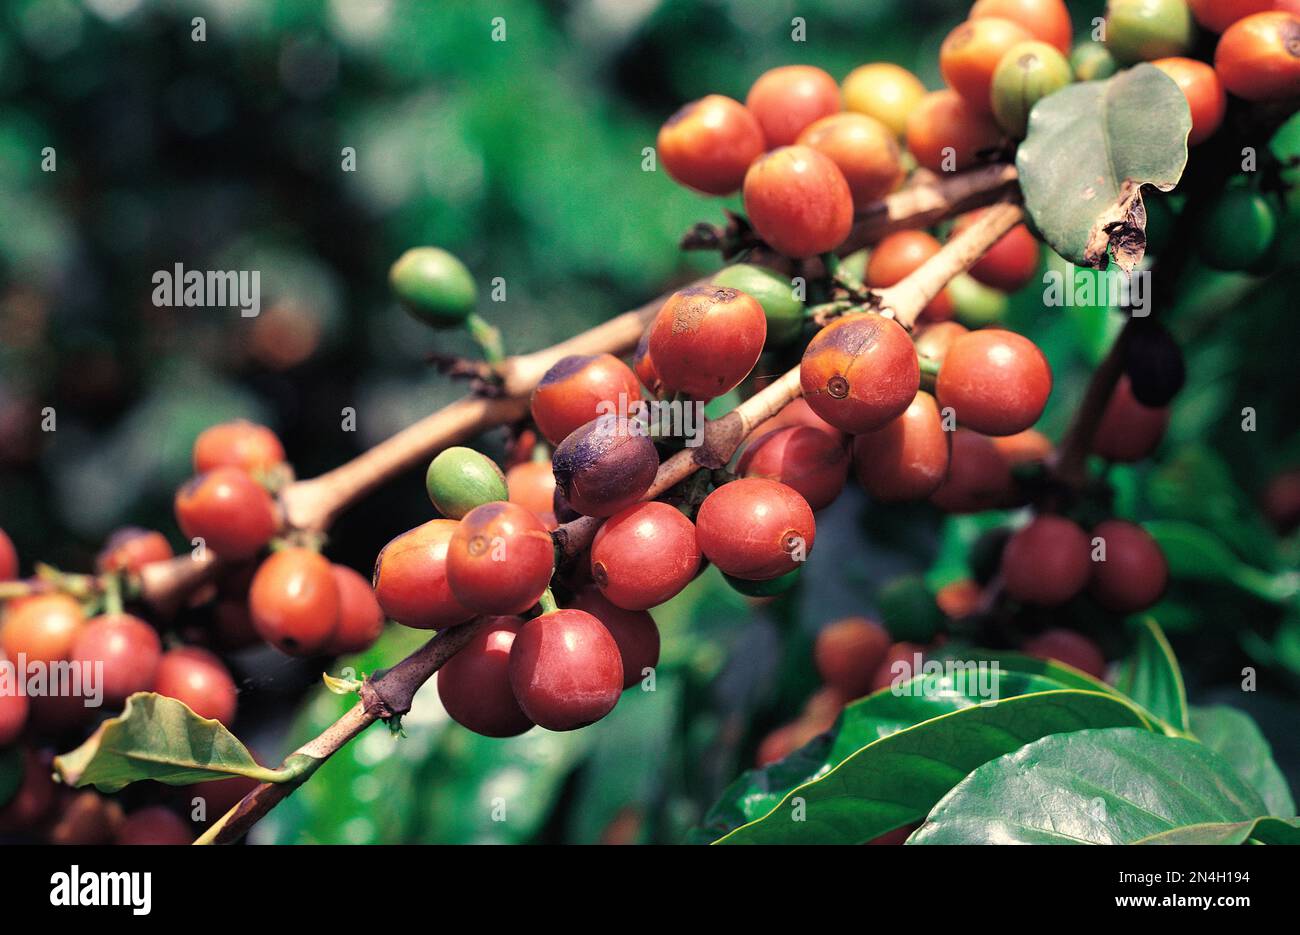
1144	30
1238	231
976	304
769	588
433	286
1092	61
774	292
459	479
1026	73
909	610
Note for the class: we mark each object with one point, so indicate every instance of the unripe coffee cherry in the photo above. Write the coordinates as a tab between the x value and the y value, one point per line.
1258	57
885	91
897	257
783	309
1142	30
199	680
946	134
600	469
460	479
1047	562
907	459
127	647
433	286
812	462
13	718
565	670
1073	649
1134	573
154	825
772	587
1204	92
755	528
360	618
1092	61
1027	73
789	98
532	486
232	513
8	558
579	388
848	653
1218	15
644	555
44	628
709	143
1153	362
474	684
970	54
1238	230
500	559
1010	263
706	339
798	201
860	372
294	601
863	148
996	381
410	578
979	478
634	631
1047	20
240	444
1128	431
131	548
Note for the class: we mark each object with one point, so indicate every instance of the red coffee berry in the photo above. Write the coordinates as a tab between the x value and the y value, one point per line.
709	143
565	669
706	339
229	511
1201	86
946	134
1047	562
789	98
1023	447
198	679
131	548
860	372
579	388
127	647
1073	649
897	257
361	619
643	364
644	555
997	382
1281	502
863	148
532	486
812	462
959	598
1010	263
44	628
796	412
755	529
777	745
604	467
410	578
13	717
634	631
799	203
970	54
899	666
1134	574
474	684
500	559
294	601
8	558
1129	431
979	478
848	653
1258	56
907	459
154	825
241	444
1046	20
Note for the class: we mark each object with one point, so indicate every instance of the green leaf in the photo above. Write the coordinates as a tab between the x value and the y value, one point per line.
1197	554
1234	735
1151	677
160	738
1110	786
1129	131
1259	831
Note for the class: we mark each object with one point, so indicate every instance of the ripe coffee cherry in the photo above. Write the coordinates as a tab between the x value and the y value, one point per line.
634	631
907	459
294	601
1281	502
8	558
1153	362
580	388
1258	57
232	513
798	201
644	555
565	670
860	372
756	529
474	684
1218	15
783	309
814	463
643	364
848	653
44	628
885	91
1134	574
970	54
1026	73
1010	263
933	340
979	478
1129	431
787	99
709	143
706	339
864	149
1047	20
360	618
1092	61
433	286
1204	92
959	599
532	486
600	470
460	479
1238	231
131	548
796	412
410	578
899	666
1142	30
946	134
241	444
996	381
1023	447
197	678
1073	649
778	745
1046	563
154	825
13	717
500	559
129	650
897	257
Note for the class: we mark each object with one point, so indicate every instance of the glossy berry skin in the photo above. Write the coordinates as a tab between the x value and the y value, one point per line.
579	388
8	558
44	628
600	469
474	684
943	120
1045	20
500	559
906	459
129	650
198	679
1009	264
860	372
813	463
863	148
532	486
232	513
1026	73
1023	447
13	718
1129	431
433	286
294	601
1134	574
789	98
1238	231
885	91
1073	649
1201	86
897	257
996	381
1047	562
848	653
131	548
933	341
459	479
361	619
970	54
566	670
706	339
1258	57
154	825
796	412
708	144
756	529
978	479
644	555
798	201
774	292
634	631
1142	30
240	444
410	578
